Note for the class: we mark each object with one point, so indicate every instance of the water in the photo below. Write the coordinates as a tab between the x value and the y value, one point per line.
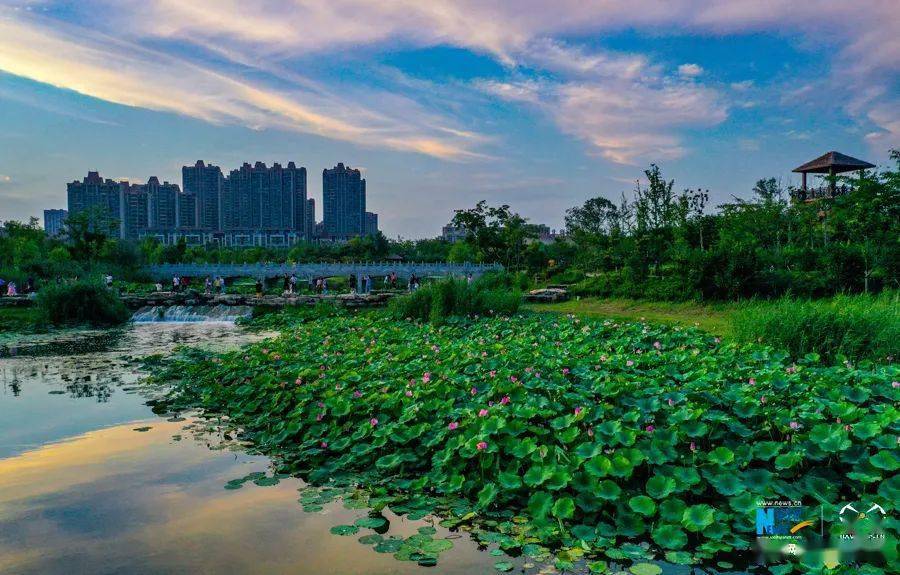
182	313
92	482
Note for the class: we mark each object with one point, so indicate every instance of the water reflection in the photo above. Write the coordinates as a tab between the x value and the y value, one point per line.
60	385
118	501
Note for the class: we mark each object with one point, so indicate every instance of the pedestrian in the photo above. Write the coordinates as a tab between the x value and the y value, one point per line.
318	285
109	280
292	284
208	286
259	288
221	285
175	283
158	286
367	283
286	285
469	278
11	288
324	286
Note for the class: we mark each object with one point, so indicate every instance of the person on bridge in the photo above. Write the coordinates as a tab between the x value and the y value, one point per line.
208	285
286	285
292	284
259	288
367	283
11	288
175	283
324	286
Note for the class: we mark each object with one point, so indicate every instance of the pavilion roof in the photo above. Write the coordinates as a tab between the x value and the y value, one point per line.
833	161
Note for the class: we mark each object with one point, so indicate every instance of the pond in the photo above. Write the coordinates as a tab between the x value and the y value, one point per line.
91	481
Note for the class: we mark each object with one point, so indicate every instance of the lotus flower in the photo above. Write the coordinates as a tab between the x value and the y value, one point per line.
357	394
565	371
453	425
504	400
649	429
409	393
483	413
473	391
671	402
373	422
629	363
578	411
426	377
657	345
493	373
482	445
323	445
693	446
795	425
752	381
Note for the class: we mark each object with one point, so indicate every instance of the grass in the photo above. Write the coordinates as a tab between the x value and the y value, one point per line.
21	320
714	318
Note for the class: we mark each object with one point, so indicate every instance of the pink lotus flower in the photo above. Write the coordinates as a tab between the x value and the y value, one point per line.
323	445
319	417
426	377
483	354
513	378
483	413
590	432
791	369
320	404
473	391
603	358
671	402
453	425
529	369
357	394
578	411
629	363
657	345
409	393
649	429
490	404
795	425
693	446
493	373
482	445
373	422
847	428
565	371
762	399
895	384
752	381
504	400
298	381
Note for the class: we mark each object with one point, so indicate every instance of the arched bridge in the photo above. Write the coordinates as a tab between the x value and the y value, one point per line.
316	270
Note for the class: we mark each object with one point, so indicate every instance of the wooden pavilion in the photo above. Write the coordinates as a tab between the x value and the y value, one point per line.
829	164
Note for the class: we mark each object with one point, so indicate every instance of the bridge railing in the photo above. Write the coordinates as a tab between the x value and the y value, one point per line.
268	270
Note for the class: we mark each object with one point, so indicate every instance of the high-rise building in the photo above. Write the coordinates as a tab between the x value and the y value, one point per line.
310	230
100	199
371	224
204	182
162	204
268	199
343	202
54	221
134	211
187	211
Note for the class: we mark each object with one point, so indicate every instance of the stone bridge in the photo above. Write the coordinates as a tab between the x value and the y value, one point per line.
316	270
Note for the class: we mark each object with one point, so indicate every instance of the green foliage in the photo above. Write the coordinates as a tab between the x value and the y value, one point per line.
438	301
644	431
664	245
854	327
81	302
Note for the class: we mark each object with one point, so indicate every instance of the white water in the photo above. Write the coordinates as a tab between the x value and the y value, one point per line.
196	313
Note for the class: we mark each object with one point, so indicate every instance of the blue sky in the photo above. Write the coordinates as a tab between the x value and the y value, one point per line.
537	104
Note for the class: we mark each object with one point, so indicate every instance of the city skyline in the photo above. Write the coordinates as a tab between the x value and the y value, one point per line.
251	205
533	104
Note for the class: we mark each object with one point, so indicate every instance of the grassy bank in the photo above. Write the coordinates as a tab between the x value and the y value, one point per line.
21	320
542	432
716	319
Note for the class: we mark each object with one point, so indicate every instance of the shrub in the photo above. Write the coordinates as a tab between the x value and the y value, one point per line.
856	327
81	302
437	301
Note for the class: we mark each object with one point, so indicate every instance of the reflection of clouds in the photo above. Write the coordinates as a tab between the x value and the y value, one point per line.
165	510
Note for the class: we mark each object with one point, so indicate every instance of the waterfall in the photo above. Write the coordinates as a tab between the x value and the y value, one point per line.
187	313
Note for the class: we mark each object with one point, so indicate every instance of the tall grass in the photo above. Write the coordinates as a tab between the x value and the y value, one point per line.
435	302
81	302
855	327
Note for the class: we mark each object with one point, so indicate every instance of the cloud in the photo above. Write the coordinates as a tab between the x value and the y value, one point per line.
4	179
690	70
124	73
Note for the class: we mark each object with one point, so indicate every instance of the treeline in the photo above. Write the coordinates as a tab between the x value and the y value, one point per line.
664	245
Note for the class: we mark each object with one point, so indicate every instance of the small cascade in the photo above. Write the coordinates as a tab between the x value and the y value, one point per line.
191	313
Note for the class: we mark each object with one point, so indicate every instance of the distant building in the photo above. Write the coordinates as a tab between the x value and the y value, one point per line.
453	234
343	203
100	199
162	204
204	182
310	229
54	222
371	224
260	198
134	211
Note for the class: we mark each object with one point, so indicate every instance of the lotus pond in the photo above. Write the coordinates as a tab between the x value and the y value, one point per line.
594	445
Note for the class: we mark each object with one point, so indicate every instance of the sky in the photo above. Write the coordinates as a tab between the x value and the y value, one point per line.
537	104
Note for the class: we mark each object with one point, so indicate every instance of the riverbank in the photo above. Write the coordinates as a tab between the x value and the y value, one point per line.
714	318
